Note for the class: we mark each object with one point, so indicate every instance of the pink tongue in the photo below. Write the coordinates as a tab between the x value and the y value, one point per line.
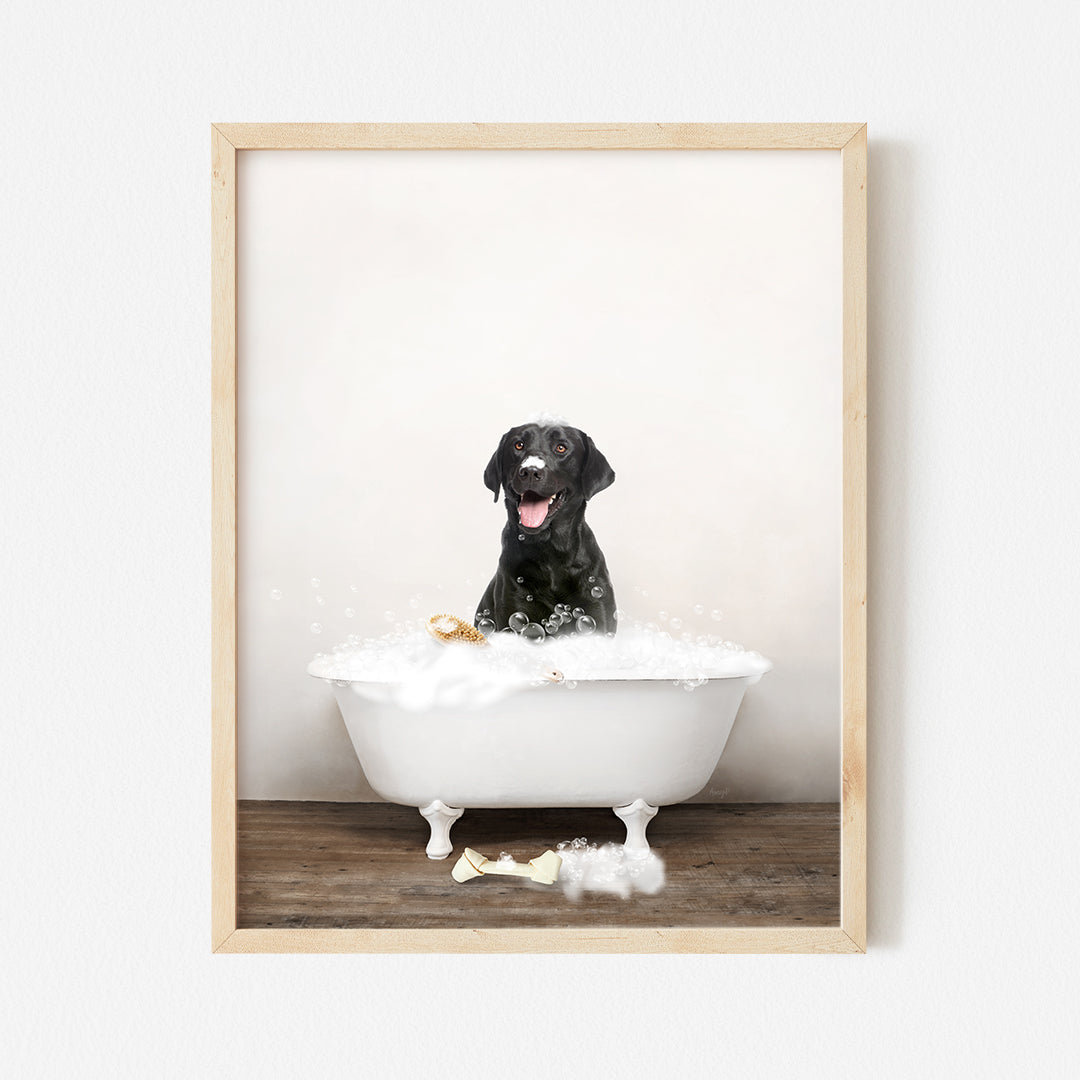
532	511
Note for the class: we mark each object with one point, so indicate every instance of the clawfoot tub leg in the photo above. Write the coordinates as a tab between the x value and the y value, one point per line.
441	817
637	817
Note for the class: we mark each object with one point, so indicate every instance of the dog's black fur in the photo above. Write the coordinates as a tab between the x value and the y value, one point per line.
558	561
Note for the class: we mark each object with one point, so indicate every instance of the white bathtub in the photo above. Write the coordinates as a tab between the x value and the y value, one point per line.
633	744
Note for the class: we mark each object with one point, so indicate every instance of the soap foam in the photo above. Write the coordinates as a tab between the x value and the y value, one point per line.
547	419
416	672
609	869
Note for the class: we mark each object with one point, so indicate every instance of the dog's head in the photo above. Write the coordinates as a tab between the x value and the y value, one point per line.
547	470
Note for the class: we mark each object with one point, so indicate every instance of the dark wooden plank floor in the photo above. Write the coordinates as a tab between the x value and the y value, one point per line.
362	865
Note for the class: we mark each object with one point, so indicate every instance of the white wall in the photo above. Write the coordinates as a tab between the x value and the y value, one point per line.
399	312
104	435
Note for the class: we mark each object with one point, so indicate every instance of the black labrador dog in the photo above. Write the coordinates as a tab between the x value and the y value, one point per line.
551	568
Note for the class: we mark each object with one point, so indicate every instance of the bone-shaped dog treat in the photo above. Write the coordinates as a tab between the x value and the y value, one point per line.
544	868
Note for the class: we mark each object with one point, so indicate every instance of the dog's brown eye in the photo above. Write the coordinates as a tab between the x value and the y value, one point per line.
560	449
519	446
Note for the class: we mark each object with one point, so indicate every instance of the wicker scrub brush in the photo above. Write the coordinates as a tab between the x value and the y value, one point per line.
449	628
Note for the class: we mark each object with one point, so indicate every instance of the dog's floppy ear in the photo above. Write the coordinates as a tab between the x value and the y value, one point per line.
596	474
493	474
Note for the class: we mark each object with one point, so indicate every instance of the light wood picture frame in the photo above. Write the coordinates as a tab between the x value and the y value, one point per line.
849	140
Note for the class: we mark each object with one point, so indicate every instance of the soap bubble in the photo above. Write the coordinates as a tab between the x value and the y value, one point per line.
315	583
663	616
316	628
388	616
717	614
353	588
486	627
275	594
586	624
699	609
350	612
596	592
676	624
578	612
320	600
518	621
569	684
521	581
534	633
414	602
529	598
591	579
521	536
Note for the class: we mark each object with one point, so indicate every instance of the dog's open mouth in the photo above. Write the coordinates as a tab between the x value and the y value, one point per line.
533	509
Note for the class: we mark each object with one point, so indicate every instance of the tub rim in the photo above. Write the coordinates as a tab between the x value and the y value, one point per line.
673	678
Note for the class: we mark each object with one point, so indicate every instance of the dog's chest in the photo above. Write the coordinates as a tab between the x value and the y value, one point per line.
545	586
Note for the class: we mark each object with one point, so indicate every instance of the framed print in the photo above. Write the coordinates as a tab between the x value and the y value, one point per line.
517	430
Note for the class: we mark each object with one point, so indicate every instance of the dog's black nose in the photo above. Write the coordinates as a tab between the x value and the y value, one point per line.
531	473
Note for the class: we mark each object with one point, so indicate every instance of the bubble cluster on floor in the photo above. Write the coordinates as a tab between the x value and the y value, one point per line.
608	868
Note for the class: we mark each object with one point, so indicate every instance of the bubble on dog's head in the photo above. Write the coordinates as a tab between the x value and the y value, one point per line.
548	419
